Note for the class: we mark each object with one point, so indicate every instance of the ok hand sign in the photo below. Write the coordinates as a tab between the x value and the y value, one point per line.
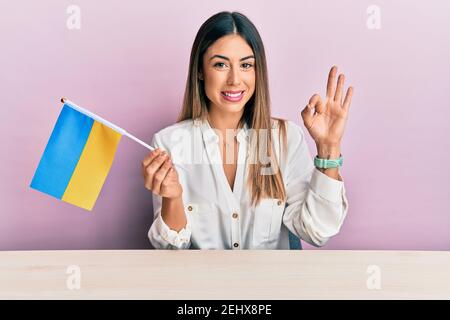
325	120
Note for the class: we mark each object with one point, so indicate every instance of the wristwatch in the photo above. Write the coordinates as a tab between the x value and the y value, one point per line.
328	163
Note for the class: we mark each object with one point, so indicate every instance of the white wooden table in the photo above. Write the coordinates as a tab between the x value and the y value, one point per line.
236	275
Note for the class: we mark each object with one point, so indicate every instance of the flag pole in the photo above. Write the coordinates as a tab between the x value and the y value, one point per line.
105	122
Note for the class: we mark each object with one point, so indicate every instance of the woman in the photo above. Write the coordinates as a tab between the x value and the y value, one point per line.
229	176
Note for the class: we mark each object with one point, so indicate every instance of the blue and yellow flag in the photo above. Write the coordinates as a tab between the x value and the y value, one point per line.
77	158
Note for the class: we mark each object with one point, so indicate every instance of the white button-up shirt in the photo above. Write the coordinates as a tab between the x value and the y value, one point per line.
221	218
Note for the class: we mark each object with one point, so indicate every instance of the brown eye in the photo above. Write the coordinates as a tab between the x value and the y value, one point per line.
247	65
219	64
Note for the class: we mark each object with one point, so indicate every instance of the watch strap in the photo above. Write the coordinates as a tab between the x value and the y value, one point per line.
328	163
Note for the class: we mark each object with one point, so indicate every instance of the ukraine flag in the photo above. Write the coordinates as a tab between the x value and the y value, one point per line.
77	158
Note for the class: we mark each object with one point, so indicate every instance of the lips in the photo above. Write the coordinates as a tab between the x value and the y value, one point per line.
233	96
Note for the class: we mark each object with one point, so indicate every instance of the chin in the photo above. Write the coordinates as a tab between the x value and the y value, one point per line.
233	108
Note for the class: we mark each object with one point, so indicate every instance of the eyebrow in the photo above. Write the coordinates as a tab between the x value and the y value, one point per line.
228	59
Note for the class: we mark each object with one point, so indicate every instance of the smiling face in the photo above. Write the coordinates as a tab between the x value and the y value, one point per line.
229	74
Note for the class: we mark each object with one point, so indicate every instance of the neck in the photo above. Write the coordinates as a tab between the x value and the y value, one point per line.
223	120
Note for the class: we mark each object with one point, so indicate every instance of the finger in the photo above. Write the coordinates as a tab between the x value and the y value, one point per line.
348	98
159	176
172	176
316	103
340	86
331	80
149	158
151	169
307	115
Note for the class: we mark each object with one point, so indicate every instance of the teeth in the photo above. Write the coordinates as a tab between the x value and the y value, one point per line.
233	95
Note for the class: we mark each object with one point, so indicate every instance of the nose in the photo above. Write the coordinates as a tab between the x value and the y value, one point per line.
234	77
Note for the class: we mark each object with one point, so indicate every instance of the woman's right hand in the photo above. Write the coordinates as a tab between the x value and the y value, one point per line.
160	175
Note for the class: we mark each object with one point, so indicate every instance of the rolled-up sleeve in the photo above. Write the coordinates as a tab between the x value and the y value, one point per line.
316	204
160	235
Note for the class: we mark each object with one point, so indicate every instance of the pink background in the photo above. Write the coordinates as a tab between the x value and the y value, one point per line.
129	61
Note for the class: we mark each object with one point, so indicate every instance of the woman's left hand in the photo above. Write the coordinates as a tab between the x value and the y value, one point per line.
325	121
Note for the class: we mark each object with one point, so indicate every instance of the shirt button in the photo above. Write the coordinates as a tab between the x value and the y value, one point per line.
190	208
279	202
235	215
236	245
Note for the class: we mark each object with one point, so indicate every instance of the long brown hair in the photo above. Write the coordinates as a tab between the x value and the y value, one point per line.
257	110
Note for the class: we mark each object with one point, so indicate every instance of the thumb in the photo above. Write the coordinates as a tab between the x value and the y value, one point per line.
172	173
317	104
